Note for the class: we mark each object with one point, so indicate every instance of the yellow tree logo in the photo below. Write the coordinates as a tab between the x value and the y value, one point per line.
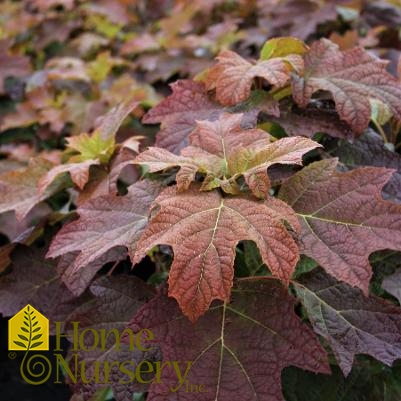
28	330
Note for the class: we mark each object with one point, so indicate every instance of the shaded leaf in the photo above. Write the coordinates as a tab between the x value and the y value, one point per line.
392	284
93	235
34	345
309	121
367	381
351	322
343	217
116	300
34	280
78	278
369	150
237	349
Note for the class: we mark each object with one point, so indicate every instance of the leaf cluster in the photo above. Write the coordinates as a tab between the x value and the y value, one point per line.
250	217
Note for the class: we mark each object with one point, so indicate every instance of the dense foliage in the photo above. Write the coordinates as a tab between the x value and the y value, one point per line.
249	216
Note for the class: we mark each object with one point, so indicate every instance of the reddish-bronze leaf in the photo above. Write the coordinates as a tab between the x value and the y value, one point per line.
315	118
116	300
252	162
344	218
370	150
226	133
104	223
351	322
178	114
224	151
44	5
19	189
232	76
111	122
352	77
237	349
34	280
158	159
79	173
78	278
203	228
244	152
299	18
12	65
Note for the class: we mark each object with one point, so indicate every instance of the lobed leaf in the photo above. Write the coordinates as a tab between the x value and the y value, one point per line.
116	300
369	150
92	148
352	77
19	189
79	173
343	218
203	229
351	322
224	151
34	280
232	76
237	349
178	114
106	222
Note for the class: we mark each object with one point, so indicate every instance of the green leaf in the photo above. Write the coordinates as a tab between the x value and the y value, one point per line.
24	329
34	324
304	265
22	337
252	258
85	147
380	112
35	330
282	47
36	344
